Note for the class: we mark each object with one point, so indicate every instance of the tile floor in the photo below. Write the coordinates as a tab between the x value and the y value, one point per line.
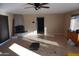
49	46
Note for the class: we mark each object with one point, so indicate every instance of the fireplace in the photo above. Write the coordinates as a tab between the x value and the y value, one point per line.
18	24
19	29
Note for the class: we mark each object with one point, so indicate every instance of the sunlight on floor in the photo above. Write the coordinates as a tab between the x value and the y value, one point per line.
34	36
47	41
21	51
34	32
30	36
44	45
43	40
31	33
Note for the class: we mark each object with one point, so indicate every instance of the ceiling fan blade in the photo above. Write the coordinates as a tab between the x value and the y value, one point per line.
43	3
30	3
44	7
28	7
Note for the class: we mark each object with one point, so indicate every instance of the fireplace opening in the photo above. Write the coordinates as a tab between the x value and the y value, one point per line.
19	29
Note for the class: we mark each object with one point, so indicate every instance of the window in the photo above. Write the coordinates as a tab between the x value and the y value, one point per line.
74	23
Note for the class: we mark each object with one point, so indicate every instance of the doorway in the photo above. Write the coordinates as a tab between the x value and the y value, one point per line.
40	25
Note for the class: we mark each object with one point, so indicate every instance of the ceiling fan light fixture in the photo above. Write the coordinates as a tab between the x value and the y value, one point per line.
39	5
36	8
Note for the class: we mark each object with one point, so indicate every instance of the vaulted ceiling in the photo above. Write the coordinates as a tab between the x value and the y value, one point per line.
22	8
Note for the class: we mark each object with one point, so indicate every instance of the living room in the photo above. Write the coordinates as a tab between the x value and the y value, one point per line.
51	35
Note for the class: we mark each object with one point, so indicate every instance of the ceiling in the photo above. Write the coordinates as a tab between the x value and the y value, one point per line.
55	8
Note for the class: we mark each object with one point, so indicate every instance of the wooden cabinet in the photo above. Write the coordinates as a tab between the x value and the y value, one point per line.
74	37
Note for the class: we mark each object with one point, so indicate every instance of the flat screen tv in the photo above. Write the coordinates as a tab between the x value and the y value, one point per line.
4	28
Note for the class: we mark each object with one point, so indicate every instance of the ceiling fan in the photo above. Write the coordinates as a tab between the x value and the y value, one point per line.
38	5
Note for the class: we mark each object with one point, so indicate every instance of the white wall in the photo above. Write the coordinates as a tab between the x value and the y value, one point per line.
53	22
19	20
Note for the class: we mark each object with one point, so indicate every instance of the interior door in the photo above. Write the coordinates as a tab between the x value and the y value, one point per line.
40	25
